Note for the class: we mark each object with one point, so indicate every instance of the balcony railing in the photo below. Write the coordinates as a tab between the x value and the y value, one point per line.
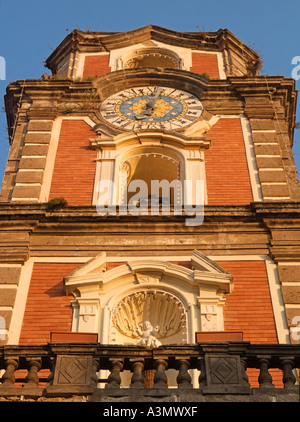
65	369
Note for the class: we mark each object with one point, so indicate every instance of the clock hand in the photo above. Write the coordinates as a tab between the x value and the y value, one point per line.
149	106
140	116
151	103
147	112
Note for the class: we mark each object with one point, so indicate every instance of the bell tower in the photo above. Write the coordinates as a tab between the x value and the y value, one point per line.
150	178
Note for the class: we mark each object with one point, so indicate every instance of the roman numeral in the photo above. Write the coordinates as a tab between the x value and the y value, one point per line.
175	124
111	115
191	118
126	124
187	99
196	107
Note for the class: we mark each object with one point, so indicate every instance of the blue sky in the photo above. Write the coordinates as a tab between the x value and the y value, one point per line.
31	29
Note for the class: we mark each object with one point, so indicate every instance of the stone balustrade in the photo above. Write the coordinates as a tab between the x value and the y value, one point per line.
94	370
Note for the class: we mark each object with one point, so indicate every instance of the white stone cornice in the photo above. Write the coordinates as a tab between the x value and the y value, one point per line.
94	272
175	139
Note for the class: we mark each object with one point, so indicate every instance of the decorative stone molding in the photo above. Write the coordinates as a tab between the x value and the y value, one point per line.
224	374
177	299
211	312
72	375
144	278
106	141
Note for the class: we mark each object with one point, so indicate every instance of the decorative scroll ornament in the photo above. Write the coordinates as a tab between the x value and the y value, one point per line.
164	310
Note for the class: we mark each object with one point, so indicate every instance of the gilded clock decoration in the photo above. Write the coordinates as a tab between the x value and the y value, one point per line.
151	108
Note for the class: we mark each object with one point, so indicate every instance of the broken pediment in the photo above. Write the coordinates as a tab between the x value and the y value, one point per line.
119	300
149	271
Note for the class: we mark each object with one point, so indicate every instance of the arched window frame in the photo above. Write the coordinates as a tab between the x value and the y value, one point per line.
113	150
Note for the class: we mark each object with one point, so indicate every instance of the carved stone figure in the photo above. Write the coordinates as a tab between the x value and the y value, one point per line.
147	335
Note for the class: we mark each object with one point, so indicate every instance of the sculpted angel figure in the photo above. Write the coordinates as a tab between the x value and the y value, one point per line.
147	335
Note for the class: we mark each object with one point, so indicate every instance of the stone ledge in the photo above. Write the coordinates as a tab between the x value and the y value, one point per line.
132	395
30	392
68	390
194	395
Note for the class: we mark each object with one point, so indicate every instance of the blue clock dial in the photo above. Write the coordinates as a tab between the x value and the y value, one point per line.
151	108
141	108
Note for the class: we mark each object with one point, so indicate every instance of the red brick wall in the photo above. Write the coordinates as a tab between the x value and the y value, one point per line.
47	307
249	309
74	169
205	63
96	65
227	174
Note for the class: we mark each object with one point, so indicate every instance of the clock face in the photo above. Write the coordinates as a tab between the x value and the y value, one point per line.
151	107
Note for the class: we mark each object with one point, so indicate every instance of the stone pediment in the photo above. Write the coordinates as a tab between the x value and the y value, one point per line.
144	290
201	263
150	271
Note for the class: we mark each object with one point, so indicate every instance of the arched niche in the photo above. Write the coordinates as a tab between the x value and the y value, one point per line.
164	310
149	164
151	57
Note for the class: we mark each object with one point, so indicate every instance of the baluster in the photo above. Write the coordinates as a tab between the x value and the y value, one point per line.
202	369
184	380
8	378
32	379
265	378
114	379
52	368
137	379
288	378
160	378
96	367
244	368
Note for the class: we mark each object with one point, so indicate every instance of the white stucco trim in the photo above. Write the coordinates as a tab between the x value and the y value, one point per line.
277	302
250	154
51	156
20	303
